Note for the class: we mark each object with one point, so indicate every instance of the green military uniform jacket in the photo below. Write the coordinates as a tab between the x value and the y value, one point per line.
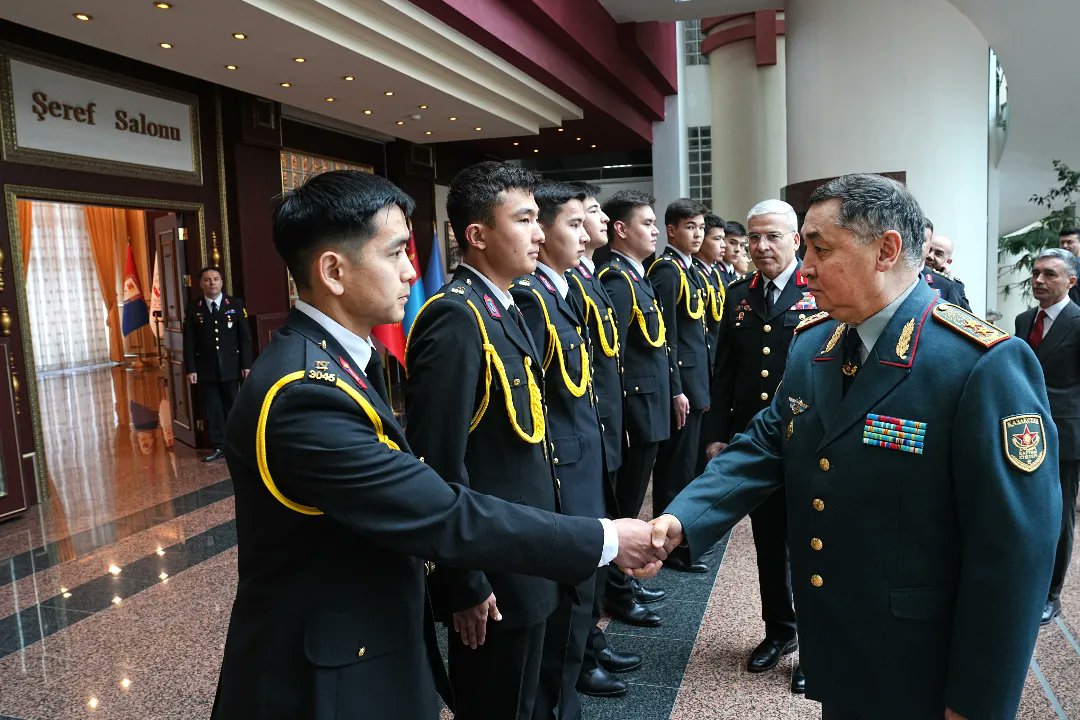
923	511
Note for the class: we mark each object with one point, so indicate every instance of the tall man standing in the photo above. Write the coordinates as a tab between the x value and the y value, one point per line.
760	316
682	293
932	524
643	351
217	352
707	264
1053	331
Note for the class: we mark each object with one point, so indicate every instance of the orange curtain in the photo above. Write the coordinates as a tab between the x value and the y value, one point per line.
102	224
26	229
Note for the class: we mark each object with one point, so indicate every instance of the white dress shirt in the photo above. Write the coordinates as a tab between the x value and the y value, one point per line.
359	348
633	263
1052	312
504	297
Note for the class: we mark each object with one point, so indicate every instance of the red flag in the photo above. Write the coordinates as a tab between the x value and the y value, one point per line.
135	313
393	337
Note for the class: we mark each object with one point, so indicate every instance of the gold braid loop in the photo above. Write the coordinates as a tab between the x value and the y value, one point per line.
635	312
536	403
610	348
684	289
716	302
555	348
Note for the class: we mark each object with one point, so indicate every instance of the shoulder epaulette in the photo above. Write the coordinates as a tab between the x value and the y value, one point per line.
524	282
969	325
744	279
661	259
811	321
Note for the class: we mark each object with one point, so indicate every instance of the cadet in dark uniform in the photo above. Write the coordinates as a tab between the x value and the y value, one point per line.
734	240
217	352
683	295
643	352
706	264
602	325
557	324
914	446
333	514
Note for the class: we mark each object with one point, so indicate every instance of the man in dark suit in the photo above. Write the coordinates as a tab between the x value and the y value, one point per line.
915	447
759	320
1053	331
217	352
683	295
1069	239
333	514
646	384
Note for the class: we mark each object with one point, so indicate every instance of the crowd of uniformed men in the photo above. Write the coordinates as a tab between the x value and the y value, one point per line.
538	375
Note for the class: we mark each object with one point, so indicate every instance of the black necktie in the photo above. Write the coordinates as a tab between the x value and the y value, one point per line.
576	307
213	307
375	375
768	297
852	357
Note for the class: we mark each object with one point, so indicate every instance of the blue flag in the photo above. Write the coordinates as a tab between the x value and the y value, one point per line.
434	278
135	312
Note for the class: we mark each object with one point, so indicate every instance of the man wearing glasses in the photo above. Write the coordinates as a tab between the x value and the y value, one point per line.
761	312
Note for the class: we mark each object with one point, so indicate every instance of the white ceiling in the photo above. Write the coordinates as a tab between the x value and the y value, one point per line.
386	45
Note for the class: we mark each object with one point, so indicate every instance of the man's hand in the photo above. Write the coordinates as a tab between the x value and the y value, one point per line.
681	406
667	531
638	554
952	715
713	449
193	378
244	372
471	624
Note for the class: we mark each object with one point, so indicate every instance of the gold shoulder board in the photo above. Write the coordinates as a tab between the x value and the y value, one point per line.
812	321
970	326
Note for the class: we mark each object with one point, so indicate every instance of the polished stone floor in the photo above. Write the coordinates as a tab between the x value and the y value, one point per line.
115	593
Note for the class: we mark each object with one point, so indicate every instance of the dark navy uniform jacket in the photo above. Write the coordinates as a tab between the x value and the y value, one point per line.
475	408
752	348
716	293
683	296
923	510
602	324
646	375
334	518
951	291
217	346
577	448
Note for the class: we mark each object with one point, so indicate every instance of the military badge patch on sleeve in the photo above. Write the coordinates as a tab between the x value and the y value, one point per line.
1025	441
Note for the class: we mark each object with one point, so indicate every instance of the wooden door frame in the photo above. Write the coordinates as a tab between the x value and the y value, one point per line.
14	193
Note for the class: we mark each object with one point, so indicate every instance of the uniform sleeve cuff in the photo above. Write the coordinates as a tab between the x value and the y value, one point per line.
611	542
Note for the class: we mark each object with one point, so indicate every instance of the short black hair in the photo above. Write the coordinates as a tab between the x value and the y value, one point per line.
928	225
1069	231
683	209
732	227
621	205
550	196
208	268
587	189
331	208
714	221
474	193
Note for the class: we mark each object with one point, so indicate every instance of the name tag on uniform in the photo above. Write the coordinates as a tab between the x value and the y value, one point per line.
894	433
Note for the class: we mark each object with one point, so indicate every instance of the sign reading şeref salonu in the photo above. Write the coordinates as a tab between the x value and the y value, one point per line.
57	112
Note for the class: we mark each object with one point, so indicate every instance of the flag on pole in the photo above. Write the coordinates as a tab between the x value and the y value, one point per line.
135	312
434	278
393	337
155	294
416	292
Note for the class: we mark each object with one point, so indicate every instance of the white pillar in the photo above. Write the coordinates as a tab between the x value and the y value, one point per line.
671	174
879	85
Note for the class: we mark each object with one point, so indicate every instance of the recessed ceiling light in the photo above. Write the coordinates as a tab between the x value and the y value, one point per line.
428	132
536	150
453	117
239	36
592	146
299	60
578	139
329	99
423	107
400	122
367	112
126	682
82	16
478	129
230	67
561	130
516	143
166	46
348	77
162	5
388	93
286	84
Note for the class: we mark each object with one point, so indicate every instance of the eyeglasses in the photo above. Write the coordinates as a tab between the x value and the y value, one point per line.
771	238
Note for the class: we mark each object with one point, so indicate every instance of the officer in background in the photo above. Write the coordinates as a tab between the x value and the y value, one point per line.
760	316
948	290
217	352
913	444
734	249
707	264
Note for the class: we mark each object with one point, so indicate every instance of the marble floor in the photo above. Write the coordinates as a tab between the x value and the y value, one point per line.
115	594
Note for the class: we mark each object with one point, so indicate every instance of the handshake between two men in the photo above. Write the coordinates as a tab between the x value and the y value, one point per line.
643	546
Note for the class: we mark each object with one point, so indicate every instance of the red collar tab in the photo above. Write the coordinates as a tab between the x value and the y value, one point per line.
492	308
929	278
754	282
352	373
800	279
584	271
545	282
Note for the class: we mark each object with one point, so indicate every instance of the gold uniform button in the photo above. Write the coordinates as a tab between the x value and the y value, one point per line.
572	344
555	460
819	504
823	463
764	373
802	316
816	581
680	363
766	351
636	388
422	458
764	396
361	652
517	382
767	328
815	543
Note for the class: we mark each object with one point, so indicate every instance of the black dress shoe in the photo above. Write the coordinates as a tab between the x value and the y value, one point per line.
674	562
768	653
798	681
646	595
1050	611
599	683
618	662
216	455
633	614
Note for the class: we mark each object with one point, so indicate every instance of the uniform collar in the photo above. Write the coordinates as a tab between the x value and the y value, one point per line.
218	299
633	263
560	281
589	265
1054	310
505	298
688	262
359	348
780	281
871	329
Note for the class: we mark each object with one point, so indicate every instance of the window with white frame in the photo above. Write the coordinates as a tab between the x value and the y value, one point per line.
699	144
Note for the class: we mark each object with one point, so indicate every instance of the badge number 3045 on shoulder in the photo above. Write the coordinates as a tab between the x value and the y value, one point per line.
1025	441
